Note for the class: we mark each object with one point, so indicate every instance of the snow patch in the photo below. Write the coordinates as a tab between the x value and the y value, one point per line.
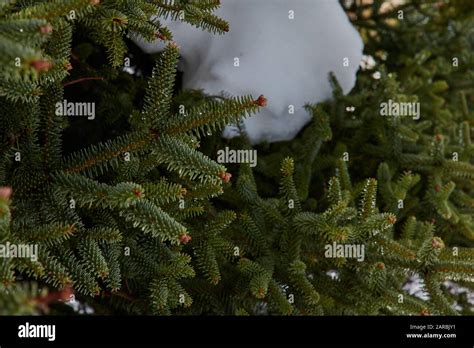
285	50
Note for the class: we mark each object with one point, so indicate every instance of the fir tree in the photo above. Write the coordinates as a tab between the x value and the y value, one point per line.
132	214
111	215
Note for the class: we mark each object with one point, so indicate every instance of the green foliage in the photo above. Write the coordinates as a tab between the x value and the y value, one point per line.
132	214
109	218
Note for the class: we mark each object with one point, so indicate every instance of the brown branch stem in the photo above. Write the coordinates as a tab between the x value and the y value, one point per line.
81	80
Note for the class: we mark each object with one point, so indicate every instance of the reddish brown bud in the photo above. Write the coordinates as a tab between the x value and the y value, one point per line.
94	2
68	66
5	192
437	243
174	45
185	238
261	101
225	176
137	193
425	312
392	219
160	36
437	188
438	137
41	65
164	37
46	29
380	266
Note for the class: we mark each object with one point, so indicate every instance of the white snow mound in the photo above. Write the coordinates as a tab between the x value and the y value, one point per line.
286	59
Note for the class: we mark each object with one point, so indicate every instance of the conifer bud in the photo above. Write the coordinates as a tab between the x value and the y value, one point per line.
46	29
174	45
261	101
160	36
94	2
392	219
68	66
5	192
437	243
41	65
380	266
225	176
425	312
185	238
137	192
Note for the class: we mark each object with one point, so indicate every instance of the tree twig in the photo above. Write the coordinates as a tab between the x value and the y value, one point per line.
81	80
